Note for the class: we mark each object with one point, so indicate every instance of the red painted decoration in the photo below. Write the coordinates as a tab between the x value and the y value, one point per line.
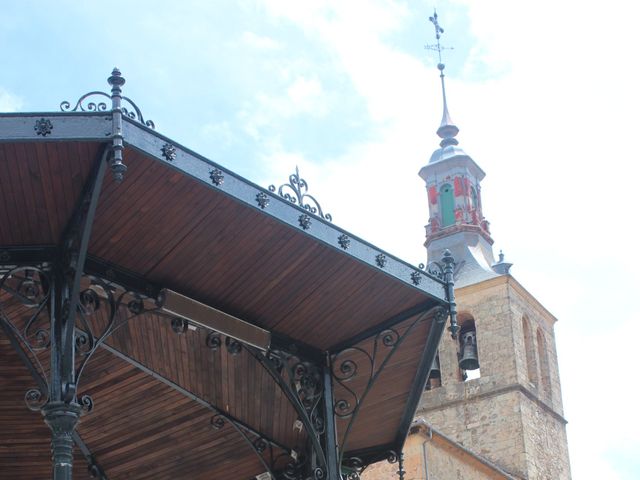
433	195
457	186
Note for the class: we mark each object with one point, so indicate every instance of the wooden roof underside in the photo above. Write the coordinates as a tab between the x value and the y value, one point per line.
171	230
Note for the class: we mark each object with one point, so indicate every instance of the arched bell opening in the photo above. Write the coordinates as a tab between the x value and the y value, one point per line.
435	375
468	360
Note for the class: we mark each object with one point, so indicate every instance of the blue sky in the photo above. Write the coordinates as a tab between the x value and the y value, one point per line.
545	95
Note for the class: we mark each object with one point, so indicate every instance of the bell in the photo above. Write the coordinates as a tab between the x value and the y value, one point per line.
469	356
435	368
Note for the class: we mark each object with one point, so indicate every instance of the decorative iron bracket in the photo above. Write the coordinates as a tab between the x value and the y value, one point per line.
369	361
301	381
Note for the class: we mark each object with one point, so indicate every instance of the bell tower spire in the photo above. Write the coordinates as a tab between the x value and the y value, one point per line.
447	131
456	220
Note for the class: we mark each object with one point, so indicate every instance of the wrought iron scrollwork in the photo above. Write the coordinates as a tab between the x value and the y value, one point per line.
213	341
89	103
277	460
435	269
35	399
302	383
361	365
100	312
296	192
27	289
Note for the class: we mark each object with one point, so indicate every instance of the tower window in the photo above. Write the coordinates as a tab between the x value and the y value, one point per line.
447	205
545	371
474	198
530	352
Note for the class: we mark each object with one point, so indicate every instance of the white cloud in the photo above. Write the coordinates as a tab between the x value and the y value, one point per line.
554	130
9	102
260	42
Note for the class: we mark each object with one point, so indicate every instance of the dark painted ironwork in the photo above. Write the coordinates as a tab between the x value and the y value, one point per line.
381	260
330	431
245	192
344	241
53	296
401	471
416	278
262	199
89	103
179	325
368	361
449	264
43	127
422	374
296	192
192	396
93	467
301	381
352	468
444	271
169	152
86	104
216	176
234	347
305	221
213	341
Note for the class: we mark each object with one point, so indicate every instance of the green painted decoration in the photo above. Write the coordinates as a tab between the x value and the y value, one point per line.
446	205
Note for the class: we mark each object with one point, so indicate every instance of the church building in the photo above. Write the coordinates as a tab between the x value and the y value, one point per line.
492	407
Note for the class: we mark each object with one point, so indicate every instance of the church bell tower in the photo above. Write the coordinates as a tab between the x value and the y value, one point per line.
495	390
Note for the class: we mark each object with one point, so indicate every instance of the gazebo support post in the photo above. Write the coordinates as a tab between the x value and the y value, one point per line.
330	436
62	410
62	418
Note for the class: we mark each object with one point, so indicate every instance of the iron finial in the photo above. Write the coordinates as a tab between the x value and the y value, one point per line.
116	78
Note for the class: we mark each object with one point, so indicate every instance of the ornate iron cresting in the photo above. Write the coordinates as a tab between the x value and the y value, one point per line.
89	102
296	192
362	365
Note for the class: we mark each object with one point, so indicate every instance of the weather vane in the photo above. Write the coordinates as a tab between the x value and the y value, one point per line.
437	47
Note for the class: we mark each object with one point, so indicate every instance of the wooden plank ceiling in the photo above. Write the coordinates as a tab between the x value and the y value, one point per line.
180	234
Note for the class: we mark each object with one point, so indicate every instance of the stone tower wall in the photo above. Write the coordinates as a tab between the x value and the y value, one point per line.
504	415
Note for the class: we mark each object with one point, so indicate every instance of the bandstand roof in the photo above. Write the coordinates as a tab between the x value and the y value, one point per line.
178	222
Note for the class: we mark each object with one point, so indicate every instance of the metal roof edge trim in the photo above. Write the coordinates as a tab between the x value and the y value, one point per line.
151	143
61	126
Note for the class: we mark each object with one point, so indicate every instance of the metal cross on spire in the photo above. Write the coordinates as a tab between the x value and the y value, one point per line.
447	131
439	31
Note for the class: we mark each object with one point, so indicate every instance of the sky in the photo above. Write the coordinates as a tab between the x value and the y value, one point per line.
545	95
